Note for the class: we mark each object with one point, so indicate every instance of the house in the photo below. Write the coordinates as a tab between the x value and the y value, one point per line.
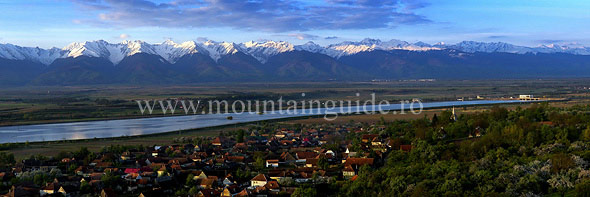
376	142
280	135
302	156
236	159
287	158
272	163
47	190
243	193
226	193
259	180
273	186
228	180
368	137
131	170
527	97
127	156
217	141
162	171
199	175
206	183
313	162
357	162
348	172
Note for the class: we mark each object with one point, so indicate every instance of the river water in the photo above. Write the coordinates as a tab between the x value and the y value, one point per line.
142	126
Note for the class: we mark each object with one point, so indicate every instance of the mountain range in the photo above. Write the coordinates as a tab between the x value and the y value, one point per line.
138	62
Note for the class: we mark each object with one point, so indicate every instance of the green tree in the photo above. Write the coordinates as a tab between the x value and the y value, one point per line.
240	137
304	192
109	179
585	134
583	189
323	163
193	191
259	163
189	179
85	188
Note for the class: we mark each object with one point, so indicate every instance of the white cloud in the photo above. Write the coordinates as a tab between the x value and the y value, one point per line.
271	16
124	36
301	36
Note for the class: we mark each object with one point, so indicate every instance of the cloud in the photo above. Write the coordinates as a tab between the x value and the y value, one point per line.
331	37
202	39
261	15
551	41
124	36
302	36
497	37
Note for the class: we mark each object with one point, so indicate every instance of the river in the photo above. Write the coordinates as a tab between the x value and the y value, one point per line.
142	126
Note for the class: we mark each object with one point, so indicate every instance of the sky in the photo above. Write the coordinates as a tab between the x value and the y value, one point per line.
56	23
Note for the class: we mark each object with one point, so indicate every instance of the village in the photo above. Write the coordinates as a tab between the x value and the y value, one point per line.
270	162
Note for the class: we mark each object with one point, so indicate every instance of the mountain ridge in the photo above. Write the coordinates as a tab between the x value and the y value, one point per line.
138	62
262	51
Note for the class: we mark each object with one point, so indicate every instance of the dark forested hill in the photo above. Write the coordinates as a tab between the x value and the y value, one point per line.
144	68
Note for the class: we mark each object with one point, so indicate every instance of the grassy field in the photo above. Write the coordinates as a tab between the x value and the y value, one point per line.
33	105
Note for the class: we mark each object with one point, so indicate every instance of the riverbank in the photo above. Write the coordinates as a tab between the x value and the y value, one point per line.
24	150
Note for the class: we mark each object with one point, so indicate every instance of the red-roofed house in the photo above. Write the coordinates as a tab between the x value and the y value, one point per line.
259	180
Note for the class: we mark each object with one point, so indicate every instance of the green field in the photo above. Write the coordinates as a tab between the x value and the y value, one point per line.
31	105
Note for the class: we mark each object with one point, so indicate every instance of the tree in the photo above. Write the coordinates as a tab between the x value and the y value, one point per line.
583	189
434	121
561	161
323	163
55	172
72	168
240	137
585	134
304	192
85	188
82	153
189	179
39	179
109	179
6	158
259	163
193	191
561	182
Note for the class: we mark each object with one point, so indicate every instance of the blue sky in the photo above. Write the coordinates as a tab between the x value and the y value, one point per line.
49	23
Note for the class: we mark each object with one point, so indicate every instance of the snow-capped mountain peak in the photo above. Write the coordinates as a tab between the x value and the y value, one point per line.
218	49
171	51
264	50
310	47
260	50
35	54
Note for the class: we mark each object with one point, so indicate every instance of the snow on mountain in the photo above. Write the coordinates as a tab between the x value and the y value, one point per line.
310	47
572	48
262	51
218	49
472	46
168	50
35	54
368	44
100	48
171	51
